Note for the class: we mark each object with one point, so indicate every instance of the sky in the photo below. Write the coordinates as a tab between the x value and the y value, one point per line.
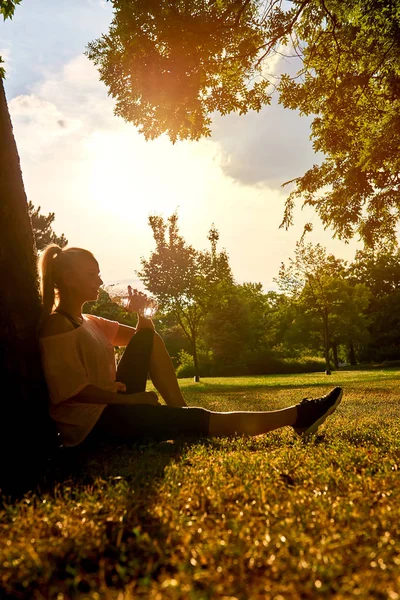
103	180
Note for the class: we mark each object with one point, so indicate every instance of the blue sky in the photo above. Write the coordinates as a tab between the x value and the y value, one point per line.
103	180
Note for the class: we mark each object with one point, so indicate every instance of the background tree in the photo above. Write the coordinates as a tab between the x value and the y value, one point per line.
42	229
183	279
349	319
170	64
311	280
379	271
235	327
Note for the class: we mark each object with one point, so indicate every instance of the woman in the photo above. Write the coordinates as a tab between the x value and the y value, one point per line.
89	398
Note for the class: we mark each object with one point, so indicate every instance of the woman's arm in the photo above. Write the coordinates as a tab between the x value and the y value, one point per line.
124	335
92	394
125	332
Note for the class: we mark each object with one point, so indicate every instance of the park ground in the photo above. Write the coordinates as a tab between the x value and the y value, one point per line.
275	517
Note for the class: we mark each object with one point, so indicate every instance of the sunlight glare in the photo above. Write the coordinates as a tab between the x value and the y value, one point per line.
134	178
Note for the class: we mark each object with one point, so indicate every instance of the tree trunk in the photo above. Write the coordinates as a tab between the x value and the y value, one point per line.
195	359
335	355
326	344
352	354
24	423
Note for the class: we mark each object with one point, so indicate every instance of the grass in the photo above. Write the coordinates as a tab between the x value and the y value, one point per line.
273	517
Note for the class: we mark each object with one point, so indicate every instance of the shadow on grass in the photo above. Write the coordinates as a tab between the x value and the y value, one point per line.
295	381
134	548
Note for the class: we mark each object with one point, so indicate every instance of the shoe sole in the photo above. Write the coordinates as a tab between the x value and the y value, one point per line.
313	428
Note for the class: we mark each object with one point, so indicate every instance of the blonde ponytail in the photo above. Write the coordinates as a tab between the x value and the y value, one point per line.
52	263
47	280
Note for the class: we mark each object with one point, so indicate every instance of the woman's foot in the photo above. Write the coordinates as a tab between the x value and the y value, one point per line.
312	413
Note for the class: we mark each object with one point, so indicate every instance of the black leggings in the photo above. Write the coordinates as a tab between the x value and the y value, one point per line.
130	422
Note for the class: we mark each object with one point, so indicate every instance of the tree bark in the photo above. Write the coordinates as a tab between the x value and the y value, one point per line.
335	355
24	424
195	359
326	343
352	354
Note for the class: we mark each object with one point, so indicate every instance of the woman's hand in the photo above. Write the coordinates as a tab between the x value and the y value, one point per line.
136	300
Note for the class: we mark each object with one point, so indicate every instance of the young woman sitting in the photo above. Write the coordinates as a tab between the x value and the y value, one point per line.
91	399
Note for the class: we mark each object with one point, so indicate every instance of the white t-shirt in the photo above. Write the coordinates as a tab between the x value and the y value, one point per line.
73	360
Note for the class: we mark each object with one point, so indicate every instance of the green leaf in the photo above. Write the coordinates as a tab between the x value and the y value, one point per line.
7	8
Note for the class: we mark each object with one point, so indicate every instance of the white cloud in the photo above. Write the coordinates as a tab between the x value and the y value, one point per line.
39	124
272	146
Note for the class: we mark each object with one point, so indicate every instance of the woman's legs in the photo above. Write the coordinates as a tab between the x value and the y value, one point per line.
129	422
305	417
250	423
134	364
162	373
146	353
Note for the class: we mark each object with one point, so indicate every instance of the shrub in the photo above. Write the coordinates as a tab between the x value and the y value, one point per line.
186	365
266	364
261	363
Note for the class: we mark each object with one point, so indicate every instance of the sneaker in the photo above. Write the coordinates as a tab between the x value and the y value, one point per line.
312	413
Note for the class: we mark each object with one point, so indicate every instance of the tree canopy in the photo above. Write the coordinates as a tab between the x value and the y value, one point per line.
184	280
317	283
169	64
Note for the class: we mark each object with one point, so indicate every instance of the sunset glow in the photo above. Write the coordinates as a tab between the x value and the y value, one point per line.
102	179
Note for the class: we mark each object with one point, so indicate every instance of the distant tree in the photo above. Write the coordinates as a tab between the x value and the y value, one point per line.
315	282
184	280
42	229
171	64
349	319
106	308
279	322
379	270
235	325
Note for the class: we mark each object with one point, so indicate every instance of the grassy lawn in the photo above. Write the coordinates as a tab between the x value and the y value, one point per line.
272	517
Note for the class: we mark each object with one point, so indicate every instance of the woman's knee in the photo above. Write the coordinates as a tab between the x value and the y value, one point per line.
158	342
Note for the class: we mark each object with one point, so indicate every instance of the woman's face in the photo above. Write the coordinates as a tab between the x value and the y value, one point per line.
83	279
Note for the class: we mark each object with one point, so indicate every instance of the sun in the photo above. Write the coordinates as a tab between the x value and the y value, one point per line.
132	177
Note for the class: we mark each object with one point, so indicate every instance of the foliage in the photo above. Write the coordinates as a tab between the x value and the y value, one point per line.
173	336
235	325
170	65
261	362
42	229
379	271
351	82
106	308
186	364
7	8
155	520
316	283
184	280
